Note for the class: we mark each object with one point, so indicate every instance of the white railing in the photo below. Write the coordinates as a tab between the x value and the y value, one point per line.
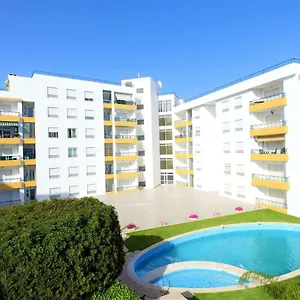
271	177
269	151
271	202
269	98
269	125
132	187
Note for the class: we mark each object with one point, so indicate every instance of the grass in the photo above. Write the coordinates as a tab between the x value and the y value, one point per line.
140	240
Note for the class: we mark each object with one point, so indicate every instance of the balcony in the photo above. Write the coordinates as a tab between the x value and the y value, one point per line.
10	161
182	170
270	155
107	120
263	131
125	104
109	174
270	181
108	157
183	155
268	102
121	156
183	138
182	184
9	116
183	123
29	178
10	183
29	155
10	202
107	103
108	139
132	188
125	121
126	139
127	173
271	204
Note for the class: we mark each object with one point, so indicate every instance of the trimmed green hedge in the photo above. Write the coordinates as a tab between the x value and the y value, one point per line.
117	291
59	249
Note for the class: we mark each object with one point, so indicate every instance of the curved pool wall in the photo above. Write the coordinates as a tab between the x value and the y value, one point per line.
291	233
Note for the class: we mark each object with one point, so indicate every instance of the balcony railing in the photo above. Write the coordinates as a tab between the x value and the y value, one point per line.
271	202
182	183
269	125
180	121
127	171
10	202
107	118
182	135
108	172
181	152
10	157
125	102
125	119
182	168
269	98
6	135
118	136
132	187
10	180
106	100
269	151
32	177
108	136
270	177
126	153
9	113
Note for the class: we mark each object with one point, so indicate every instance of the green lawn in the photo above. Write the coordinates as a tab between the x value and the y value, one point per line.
140	240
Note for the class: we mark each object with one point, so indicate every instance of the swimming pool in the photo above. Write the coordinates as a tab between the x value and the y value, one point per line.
271	248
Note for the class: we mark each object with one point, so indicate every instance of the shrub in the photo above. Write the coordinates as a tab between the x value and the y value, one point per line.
117	291
59	249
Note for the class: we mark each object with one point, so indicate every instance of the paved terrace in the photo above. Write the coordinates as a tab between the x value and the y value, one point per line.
171	204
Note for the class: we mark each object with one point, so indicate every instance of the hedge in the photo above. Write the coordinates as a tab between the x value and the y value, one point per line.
59	249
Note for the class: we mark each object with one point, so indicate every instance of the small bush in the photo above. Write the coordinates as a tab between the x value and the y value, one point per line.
117	291
59	249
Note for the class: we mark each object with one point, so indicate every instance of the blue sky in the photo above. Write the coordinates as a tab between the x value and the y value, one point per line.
191	46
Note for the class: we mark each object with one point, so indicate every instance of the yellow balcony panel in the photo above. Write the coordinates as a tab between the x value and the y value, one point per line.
191	172
180	124
29	140
110	193
30	183
256	106
109	176
182	171
8	98
269	131
29	119
126	140
182	185
270	157
125	106
107	105
275	208
29	162
10	185
127	175
190	139
108	141
108	158
189	123
127	157
4	118
271	138
184	155
10	163
183	139
127	191
125	123
10	141
273	184
107	123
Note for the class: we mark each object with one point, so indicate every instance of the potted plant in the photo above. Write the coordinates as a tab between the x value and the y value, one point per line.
131	227
193	217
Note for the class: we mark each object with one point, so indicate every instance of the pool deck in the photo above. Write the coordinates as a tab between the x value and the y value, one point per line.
172	204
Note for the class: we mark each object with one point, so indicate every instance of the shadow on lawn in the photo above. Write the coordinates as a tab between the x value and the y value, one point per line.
139	242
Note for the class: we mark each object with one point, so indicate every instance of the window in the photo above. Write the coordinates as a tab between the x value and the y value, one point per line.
91	170
54	192
89	114
166	178
227	189
140	122
227	169
140	106
141	153
226	127
72	113
108	149
239	147
88	96
52	112
73	171
165	134
28	130
72	133
226	147
73	190
166	149
54	173
140	91
91	188
225	106
239	125
142	168
71	94
54	152
72	152
241	192
141	137
240	170
238	103
52	92
90	151
197	131
53	132
165	120
90	133
165	106
129	84
142	184
166	163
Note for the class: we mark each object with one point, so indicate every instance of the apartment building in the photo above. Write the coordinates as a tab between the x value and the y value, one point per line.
62	136
240	140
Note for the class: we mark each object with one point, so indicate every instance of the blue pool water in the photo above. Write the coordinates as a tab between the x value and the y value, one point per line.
197	278
269	248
